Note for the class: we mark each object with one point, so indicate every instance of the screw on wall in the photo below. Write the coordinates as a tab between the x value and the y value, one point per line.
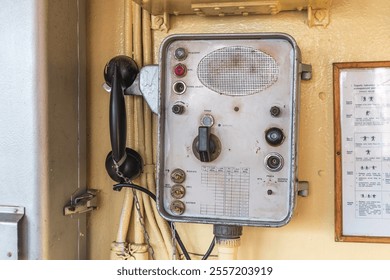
318	17
160	22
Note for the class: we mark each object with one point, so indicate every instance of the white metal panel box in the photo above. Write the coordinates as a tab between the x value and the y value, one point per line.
228	128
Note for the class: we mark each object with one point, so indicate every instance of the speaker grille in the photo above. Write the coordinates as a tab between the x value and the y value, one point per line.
238	70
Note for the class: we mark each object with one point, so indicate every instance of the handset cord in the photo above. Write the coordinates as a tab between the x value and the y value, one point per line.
118	187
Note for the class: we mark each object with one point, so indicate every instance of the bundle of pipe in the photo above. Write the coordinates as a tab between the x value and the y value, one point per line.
138	44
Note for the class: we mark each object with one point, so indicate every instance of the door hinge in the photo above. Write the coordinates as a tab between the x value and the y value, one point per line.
82	203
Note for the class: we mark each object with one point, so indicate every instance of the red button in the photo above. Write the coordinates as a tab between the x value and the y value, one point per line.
180	70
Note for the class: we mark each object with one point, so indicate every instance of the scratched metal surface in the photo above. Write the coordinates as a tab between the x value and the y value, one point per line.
42	123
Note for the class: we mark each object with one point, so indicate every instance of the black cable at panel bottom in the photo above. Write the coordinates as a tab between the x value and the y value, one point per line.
210	249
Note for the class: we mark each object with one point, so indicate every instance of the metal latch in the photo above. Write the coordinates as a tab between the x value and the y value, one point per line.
306	71
82	203
303	188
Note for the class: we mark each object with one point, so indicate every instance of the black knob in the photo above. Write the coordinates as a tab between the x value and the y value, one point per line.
275	111
178	109
274	136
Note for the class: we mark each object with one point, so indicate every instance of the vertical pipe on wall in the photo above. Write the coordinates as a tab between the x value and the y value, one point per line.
139	125
128	197
138	43
124	221
128	26
128	50
159	226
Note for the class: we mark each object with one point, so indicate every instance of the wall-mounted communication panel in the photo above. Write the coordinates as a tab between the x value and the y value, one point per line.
228	108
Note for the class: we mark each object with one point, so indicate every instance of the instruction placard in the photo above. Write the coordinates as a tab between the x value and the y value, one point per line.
364	106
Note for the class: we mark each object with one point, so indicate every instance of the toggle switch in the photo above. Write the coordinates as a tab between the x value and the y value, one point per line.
178	207
178	175
178	191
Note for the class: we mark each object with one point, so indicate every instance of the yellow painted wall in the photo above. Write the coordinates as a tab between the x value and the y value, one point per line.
359	30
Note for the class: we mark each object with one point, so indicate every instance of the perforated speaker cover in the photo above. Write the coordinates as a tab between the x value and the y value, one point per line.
238	70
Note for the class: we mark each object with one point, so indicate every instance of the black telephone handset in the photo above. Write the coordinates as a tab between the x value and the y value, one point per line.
120	73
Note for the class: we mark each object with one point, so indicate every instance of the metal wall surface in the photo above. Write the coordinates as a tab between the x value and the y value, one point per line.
42	123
